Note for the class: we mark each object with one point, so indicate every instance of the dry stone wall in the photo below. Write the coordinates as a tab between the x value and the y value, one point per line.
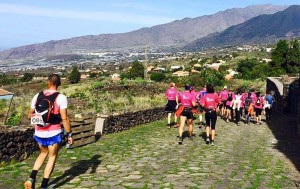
114	124
16	144
299	108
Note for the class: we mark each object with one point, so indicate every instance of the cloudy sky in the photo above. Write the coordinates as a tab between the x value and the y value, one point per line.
35	21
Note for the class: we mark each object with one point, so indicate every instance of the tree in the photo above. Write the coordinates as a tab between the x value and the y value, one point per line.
74	76
137	70
7	80
293	58
286	57
234	55
93	75
27	77
214	59
158	77
279	55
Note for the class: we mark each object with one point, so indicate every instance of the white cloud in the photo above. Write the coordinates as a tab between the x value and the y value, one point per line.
82	15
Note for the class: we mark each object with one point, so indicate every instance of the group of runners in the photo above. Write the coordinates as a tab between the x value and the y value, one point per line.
229	105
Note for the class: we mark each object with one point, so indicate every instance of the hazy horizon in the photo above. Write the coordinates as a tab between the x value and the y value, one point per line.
33	21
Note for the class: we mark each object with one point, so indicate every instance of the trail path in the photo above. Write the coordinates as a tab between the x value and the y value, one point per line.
149	156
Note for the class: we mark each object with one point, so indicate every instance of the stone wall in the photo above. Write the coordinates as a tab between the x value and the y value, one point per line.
299	108
275	86
16	144
114	124
287	96
284	94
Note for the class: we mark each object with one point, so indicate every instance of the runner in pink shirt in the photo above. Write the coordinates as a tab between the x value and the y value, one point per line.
172	97
258	102
210	102
187	101
223	97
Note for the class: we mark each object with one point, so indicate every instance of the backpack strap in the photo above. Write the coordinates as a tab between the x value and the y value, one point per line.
54	96
41	95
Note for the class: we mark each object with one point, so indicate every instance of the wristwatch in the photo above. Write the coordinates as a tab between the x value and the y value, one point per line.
69	135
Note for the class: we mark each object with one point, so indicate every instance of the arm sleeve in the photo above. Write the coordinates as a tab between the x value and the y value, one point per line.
33	101
62	101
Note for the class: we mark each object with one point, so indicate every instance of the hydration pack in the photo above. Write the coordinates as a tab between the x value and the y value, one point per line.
45	107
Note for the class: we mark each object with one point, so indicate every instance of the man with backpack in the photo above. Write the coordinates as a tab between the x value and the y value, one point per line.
48	110
269	102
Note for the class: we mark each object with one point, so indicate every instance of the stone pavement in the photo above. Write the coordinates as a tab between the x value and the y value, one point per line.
149	156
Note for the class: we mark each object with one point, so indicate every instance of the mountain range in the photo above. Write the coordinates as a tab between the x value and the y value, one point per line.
261	29
176	34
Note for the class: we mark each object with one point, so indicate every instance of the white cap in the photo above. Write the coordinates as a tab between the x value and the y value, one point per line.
225	87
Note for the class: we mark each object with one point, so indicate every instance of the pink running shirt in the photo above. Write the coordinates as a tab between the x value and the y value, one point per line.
223	95
186	99
171	93
210	101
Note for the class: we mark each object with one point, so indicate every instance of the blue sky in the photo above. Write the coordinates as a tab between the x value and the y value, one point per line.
35	21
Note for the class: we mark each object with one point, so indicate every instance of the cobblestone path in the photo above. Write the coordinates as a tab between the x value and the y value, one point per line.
149	157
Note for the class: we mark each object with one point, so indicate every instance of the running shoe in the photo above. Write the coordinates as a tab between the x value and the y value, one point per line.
29	184
212	143
207	140
180	141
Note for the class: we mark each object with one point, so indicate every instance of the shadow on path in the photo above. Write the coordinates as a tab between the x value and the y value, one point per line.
78	168
284	128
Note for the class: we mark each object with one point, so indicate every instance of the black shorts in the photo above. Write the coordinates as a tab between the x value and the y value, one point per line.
171	106
228	107
257	111
211	119
222	104
187	112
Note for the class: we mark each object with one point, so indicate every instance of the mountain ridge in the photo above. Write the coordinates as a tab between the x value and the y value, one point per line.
260	29
174	34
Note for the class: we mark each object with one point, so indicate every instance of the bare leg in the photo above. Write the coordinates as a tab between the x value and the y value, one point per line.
200	117
53	150
213	134
169	118
207	130
41	158
29	184
182	122
190	122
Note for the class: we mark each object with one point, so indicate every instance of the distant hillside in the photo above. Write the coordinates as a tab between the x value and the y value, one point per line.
261	29
176	34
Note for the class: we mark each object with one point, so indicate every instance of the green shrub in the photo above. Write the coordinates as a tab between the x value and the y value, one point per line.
14	119
97	85
74	76
27	77
158	77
